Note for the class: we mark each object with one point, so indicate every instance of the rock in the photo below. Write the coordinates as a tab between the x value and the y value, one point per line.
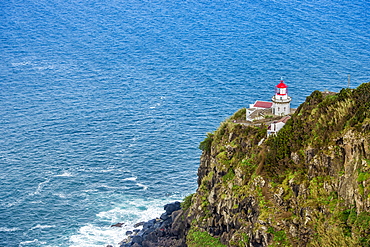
139	224
117	225
171	207
164	216
149	224
125	245
137	239
159	232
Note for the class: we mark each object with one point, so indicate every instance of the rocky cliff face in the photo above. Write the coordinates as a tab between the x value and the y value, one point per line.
307	186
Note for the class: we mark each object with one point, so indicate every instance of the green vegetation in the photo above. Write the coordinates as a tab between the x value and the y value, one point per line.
280	238
294	184
331	234
186	203
239	115
241	239
198	238
206	144
316	123
229	176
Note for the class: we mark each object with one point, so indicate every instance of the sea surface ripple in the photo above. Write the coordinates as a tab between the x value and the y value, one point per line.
103	103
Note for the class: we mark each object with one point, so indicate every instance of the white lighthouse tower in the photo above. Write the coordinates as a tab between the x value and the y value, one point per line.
281	100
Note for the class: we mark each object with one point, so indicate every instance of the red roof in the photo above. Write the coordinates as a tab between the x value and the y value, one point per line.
282	85
263	104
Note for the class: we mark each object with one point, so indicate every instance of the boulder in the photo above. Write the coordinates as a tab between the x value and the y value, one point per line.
137	239
171	207
164	216
139	224
117	225
149	224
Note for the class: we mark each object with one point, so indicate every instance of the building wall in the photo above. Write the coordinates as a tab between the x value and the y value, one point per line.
281	109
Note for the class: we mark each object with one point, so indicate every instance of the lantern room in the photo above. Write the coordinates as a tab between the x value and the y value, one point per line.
281	88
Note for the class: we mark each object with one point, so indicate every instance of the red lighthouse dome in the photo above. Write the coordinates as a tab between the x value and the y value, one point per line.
281	88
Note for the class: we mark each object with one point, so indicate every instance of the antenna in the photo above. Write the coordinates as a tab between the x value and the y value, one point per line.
349	80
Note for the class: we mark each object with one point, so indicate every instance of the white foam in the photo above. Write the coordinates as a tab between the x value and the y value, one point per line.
38	226
129	213
60	195
21	64
142	185
155	106
31	242
14	202
40	186
64	174
112	187
130	179
45	67
13	229
94	236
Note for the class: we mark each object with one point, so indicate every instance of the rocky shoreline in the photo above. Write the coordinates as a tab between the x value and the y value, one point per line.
167	230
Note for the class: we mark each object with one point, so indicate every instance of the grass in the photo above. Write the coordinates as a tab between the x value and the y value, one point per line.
198	238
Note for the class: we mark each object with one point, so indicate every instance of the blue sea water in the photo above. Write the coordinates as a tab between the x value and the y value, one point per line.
103	103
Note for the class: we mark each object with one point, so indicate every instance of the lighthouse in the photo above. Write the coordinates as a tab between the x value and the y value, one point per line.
281	100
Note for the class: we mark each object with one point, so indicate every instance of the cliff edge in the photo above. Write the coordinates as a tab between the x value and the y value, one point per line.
307	186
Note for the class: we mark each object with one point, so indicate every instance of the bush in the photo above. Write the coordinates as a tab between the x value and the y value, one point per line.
239	115
186	203
205	145
197	238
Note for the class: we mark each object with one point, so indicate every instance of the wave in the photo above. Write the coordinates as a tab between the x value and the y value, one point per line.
95	236
129	213
142	185
64	174
31	243
13	229
40	186
21	64
61	195
38	226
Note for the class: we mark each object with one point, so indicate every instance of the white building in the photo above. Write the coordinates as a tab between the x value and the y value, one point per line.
280	105
276	126
281	100
258	110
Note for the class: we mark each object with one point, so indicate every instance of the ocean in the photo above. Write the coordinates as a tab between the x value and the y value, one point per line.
103	103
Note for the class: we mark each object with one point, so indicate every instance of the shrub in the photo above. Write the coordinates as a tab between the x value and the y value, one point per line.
197	238
239	115
186	202
206	144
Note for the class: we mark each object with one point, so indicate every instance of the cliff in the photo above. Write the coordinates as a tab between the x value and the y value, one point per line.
307	186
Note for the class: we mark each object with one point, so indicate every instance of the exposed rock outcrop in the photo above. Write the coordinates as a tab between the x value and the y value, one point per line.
168	230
